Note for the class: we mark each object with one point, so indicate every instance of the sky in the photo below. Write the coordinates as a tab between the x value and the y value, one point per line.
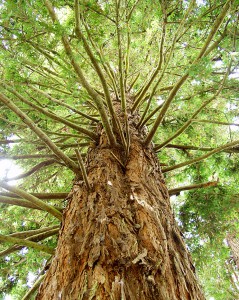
8	169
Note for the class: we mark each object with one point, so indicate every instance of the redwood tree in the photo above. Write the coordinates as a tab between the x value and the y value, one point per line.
108	107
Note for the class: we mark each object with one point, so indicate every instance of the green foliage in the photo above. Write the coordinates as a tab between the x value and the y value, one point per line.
152	34
208	212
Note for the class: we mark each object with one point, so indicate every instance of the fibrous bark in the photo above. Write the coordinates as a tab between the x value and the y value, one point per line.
119	239
233	243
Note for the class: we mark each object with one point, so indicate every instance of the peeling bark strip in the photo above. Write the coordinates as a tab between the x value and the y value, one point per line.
119	239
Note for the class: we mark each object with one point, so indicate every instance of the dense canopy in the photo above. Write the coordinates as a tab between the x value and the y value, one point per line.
63	66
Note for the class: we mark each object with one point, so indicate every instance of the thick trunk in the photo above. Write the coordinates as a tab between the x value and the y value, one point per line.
120	240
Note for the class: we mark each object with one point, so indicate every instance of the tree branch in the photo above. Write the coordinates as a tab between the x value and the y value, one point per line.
200	158
31	235
173	43
26	243
97	68
70	163
181	81
126	142
35	286
22	203
34	238
214	29
32	199
155	72
188	123
186	147
82	80
120	58
27	156
37	234
88	133
164	109
97	11
177	191
215	122
105	65
82	167
33	170
64	104
6	142
45	196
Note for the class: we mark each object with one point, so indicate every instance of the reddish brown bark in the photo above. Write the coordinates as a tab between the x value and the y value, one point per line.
120	240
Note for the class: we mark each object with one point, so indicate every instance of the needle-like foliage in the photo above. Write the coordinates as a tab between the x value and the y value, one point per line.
72	69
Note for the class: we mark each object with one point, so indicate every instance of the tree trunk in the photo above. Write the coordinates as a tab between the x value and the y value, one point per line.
119	240
233	243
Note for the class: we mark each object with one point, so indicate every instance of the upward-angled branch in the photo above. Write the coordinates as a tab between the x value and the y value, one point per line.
63	104
26	243
120	57
132	10
33	170
49	86
187	124
122	78
50	209
177	190
165	108
46	54
145	88
143	121
27	156
217	42
38	236
200	158
83	170
104	63
181	81
31	64
190	147
215	122
21	202
35	286
214	29
49	77
81	78
60	154
45	196
31	235
87	132
99	72
100	12
127	54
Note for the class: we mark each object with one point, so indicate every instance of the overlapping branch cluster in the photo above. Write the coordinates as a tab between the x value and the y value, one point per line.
82	71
